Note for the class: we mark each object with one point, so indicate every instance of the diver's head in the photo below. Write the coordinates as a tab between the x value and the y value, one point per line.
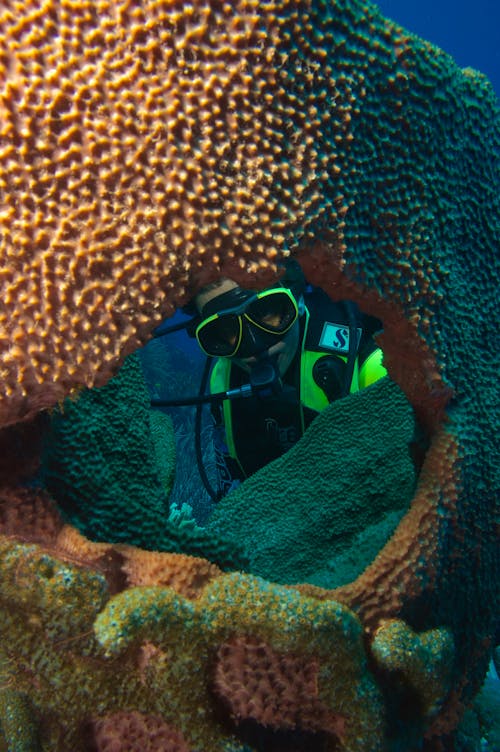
245	325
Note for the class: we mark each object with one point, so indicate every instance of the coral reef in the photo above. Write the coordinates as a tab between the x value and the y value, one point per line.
145	149
30	514
420	664
135	732
109	461
18	727
278	691
328	526
168	648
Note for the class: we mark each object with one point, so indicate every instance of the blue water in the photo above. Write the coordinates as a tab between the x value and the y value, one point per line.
468	31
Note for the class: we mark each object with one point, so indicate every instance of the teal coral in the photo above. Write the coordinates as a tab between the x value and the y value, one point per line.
102	462
161	430
109	462
487	711
347	482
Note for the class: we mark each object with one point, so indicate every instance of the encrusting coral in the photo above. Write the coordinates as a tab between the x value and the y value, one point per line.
109	462
328	526
420	662
17	717
101	459
136	731
277	691
146	149
165	647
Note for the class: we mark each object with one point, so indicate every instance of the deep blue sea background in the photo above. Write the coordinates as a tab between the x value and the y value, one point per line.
468	30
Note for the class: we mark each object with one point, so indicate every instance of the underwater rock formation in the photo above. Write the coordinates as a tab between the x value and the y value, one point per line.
146	149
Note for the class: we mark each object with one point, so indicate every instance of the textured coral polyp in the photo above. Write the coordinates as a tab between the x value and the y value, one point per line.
129	149
135	732
278	691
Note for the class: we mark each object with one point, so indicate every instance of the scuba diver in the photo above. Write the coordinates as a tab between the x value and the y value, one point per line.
285	353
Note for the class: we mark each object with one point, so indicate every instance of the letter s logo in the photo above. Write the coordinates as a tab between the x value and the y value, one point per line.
342	339
336	337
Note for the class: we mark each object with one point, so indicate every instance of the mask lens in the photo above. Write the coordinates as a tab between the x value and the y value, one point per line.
274	313
220	336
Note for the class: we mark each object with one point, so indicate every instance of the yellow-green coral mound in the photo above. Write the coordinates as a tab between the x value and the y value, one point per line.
18	727
160	653
421	661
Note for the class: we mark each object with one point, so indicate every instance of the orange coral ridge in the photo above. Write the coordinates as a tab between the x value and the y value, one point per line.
35	514
129	159
127	565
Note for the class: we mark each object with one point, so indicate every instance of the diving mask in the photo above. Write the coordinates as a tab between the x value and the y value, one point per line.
243	323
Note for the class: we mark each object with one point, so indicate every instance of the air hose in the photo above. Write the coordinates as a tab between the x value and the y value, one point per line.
264	383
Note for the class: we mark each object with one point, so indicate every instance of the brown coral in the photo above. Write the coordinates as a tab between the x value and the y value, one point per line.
30	514
135	732
276	690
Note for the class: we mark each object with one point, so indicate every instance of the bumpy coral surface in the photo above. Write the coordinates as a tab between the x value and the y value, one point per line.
328	526
134	732
164	645
109	462
100	461
277	691
144	150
